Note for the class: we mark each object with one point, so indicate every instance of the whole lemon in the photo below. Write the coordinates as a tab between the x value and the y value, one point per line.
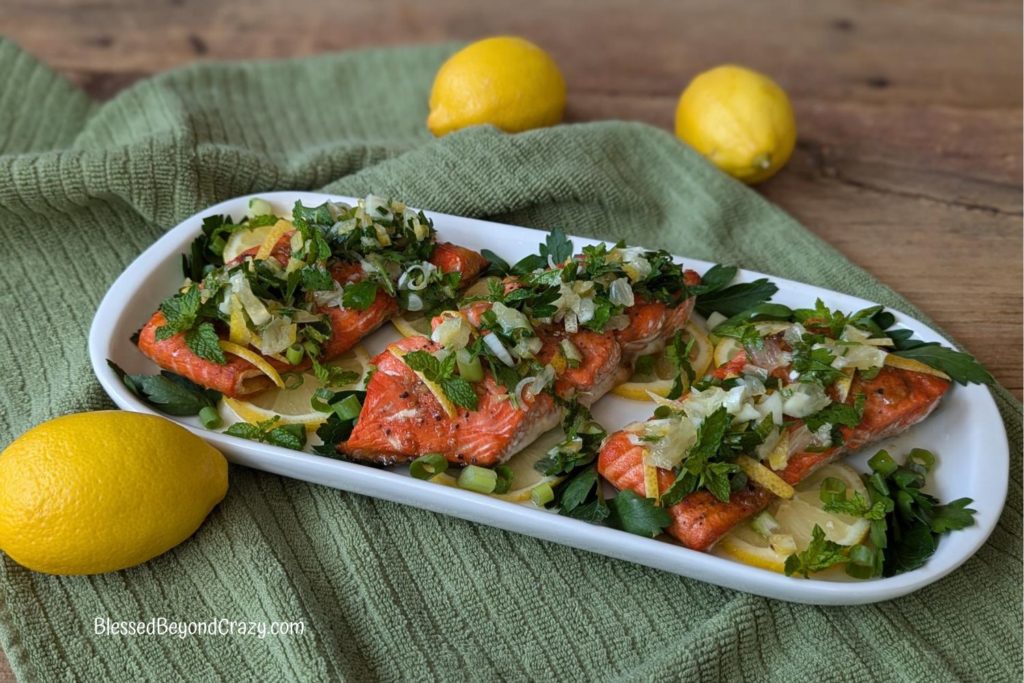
505	81
739	119
102	491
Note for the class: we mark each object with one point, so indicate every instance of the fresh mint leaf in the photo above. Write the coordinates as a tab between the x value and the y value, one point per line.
204	342
180	311
291	436
820	554
359	296
422	361
846	414
316	279
244	430
639	515
333	376
460	392
288	436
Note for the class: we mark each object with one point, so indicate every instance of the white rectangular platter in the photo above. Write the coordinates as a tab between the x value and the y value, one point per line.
965	432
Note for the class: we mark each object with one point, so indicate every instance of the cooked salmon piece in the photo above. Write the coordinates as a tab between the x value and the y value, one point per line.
402	420
895	400
239	378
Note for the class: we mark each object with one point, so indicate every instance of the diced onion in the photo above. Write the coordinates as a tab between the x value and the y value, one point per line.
453	332
277	335
675	437
714	320
258	313
510	319
414	302
803	399
499	350
620	292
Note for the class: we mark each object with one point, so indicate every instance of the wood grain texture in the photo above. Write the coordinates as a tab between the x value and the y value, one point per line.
909	158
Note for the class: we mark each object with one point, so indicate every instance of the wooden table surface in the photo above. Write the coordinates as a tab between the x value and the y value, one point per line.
909	112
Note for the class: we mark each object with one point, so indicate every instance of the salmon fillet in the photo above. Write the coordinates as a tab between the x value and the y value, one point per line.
238	378
895	400
402	420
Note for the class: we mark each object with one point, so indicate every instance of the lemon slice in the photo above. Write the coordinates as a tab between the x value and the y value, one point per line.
293	405
411	324
243	240
796	519
894	361
446	404
664	372
726	350
524	476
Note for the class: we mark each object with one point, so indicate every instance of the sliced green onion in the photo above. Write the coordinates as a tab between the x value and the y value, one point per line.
863	562
922	457
479	479
644	366
294	354
764	524
427	466
259	207
542	494
882	463
209	417
292	380
469	365
348	408
505	477
321	400
832	490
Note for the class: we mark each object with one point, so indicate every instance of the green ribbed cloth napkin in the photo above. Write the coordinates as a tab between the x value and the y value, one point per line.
389	592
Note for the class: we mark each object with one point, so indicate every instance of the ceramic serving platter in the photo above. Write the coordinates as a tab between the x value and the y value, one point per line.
965	431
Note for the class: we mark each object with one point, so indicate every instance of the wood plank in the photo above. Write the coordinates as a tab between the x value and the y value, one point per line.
909	113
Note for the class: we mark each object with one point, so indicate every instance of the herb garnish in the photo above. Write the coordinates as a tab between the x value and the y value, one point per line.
906	522
715	294
457	390
291	436
173	394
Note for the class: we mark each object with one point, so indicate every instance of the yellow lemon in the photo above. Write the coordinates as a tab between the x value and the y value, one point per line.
505	81
102	491
740	120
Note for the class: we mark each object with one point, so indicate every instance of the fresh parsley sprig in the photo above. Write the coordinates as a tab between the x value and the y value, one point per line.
906	522
716	294
173	394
